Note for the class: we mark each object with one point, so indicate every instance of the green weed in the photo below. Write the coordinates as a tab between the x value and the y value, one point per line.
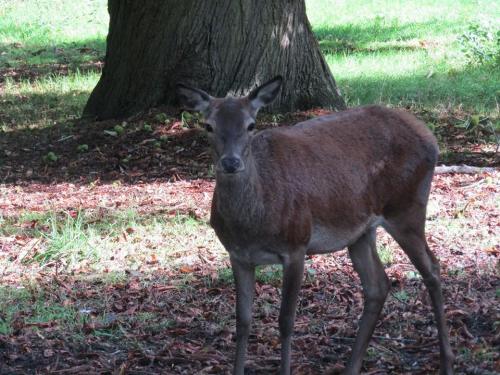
385	254
480	43
66	240
401	295
269	274
225	275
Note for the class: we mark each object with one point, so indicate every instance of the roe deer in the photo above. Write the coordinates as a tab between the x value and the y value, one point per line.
318	187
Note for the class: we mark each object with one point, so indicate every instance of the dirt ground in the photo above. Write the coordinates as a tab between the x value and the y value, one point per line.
187	323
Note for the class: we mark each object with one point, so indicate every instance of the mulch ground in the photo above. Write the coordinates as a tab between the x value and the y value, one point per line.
190	325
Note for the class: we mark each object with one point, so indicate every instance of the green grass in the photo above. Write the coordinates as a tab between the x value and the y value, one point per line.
406	52
33	307
120	240
40	32
48	47
385	254
45	101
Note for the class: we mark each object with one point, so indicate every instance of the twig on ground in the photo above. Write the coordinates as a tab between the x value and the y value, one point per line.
405	341
466	169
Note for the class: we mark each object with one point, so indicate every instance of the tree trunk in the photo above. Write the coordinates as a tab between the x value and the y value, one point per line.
221	46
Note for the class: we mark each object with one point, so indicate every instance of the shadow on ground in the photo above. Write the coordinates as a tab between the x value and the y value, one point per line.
160	145
145	149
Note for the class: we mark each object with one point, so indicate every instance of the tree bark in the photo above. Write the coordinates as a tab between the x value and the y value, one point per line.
221	46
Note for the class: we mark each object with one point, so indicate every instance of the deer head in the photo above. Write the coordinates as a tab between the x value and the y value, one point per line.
230	122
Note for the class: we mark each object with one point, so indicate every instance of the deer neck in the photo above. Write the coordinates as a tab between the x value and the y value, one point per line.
239	197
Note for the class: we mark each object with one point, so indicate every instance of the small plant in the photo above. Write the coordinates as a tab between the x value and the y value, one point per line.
66	239
148	128
385	255
82	148
50	158
225	275
164	138
276	119
413	275
310	273
162	117
402	296
479	126
187	118
119	129
271	274
480	44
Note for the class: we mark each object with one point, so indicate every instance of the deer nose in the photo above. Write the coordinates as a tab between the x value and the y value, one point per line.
231	164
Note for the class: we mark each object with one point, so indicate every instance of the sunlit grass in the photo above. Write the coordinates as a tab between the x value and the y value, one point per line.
406	53
422	17
41	31
121	240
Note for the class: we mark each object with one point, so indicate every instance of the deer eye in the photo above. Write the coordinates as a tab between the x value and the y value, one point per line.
251	127
208	127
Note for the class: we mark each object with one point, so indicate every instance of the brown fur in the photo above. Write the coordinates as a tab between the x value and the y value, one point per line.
339	169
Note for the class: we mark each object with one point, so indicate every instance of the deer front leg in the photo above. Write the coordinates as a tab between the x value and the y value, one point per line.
293	272
244	277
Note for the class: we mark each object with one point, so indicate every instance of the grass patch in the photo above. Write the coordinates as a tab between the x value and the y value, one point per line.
403	53
269	274
386	255
66	239
30	306
46	32
45	102
112	242
48	52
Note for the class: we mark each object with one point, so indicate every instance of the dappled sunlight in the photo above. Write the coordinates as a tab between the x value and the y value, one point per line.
362	37
40	57
45	101
136	227
105	228
51	60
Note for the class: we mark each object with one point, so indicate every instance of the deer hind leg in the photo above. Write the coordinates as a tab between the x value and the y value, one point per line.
366	262
408	229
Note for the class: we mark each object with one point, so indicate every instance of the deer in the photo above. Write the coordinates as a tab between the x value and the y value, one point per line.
318	187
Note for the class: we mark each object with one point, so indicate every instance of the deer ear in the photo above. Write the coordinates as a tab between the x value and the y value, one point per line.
193	99
266	93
